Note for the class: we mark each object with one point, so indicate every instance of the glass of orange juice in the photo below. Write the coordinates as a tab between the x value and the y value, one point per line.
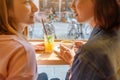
49	43
49	34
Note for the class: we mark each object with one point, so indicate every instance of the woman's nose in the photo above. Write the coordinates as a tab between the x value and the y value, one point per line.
34	7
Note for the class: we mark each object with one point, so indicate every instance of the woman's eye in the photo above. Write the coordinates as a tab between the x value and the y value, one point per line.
27	2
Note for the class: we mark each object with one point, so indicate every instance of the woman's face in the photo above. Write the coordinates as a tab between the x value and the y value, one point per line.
83	10
23	11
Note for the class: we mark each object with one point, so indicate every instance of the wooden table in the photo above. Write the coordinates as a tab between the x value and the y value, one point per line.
48	58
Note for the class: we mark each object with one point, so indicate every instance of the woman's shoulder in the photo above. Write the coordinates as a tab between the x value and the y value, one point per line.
13	42
104	39
15	49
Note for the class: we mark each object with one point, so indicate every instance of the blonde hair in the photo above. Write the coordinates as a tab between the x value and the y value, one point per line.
7	24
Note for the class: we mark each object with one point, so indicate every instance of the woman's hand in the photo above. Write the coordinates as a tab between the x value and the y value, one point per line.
78	44
67	54
39	46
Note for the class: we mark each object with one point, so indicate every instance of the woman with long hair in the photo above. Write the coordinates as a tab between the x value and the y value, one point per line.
99	58
17	56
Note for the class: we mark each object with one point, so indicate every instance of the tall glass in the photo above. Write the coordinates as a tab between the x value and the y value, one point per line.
49	38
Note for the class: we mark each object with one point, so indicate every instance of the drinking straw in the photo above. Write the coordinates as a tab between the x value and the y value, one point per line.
45	30
44	27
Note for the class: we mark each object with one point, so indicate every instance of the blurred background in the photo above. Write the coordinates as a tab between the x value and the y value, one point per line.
58	14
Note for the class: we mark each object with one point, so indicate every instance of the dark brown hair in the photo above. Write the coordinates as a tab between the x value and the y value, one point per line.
107	14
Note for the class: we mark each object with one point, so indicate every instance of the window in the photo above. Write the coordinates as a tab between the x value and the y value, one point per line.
59	15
